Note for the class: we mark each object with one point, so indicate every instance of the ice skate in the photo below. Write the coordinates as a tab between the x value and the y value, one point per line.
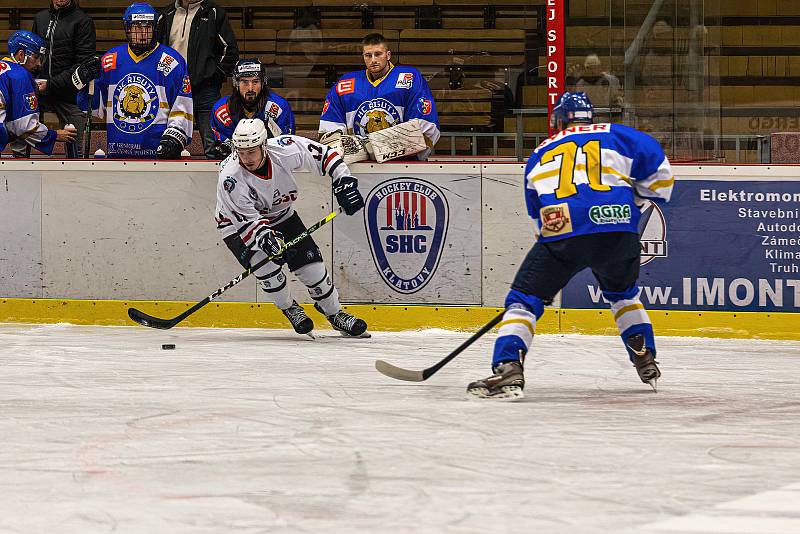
301	322
345	323
644	361
507	382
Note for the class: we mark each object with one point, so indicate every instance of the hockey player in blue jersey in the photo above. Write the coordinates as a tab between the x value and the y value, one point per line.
144	93
382	96
251	99
19	105
583	188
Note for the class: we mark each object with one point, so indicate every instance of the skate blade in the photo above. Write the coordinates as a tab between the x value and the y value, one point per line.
506	393
653	383
311	335
365	335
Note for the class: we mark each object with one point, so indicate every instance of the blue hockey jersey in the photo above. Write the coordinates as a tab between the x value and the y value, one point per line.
140	97
276	108
360	106
19	109
586	179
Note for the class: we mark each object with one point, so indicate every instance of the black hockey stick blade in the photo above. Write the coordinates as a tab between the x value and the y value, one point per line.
144	319
398	373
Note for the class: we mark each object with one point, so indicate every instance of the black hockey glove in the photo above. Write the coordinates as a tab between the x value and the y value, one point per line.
86	72
171	145
347	194
222	149
271	242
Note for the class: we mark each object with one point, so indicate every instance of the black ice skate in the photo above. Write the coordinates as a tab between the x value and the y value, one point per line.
644	361
301	322
507	382
345	323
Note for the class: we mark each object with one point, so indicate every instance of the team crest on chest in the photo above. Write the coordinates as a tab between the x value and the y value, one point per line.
374	115
135	103
406	221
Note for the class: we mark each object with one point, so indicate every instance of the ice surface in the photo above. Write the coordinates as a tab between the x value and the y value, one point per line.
263	431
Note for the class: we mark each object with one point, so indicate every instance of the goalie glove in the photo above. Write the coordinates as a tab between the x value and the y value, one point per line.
345	189
86	72
172	142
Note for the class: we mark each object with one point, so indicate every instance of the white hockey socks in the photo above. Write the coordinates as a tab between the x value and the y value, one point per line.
320	286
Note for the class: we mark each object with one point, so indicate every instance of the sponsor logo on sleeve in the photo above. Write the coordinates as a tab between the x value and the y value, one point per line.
425	106
31	102
406	221
555	220
404	80
4	67
109	61
326	106
346	87
166	63
186	88
274	110
223	115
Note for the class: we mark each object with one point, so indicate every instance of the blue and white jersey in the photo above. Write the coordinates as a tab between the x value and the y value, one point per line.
19	109
359	106
276	108
140	97
583	180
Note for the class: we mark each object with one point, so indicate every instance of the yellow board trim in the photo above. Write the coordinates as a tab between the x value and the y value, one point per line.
748	325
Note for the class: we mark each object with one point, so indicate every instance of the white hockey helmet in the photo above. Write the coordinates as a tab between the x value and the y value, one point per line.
249	133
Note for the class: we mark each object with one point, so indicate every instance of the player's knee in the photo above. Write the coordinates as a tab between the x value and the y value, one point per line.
631	293
531	303
273	281
316	278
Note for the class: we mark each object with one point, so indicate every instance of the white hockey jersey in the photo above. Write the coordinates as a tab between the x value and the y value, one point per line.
249	202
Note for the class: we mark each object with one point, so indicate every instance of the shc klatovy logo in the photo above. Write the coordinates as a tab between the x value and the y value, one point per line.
406	220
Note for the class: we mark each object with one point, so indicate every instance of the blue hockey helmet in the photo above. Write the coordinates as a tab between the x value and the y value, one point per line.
572	107
247	67
140	13
27	41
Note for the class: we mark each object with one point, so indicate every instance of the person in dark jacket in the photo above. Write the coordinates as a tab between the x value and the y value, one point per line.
201	32
71	63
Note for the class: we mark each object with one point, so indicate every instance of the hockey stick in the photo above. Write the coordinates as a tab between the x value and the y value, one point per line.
165	324
87	128
418	376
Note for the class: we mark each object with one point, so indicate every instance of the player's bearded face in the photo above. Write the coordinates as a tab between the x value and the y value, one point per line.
250	89
376	59
251	158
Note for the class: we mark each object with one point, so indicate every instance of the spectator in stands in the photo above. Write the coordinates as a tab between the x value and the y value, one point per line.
379	97
601	87
144	93
19	105
200	31
251	99
71	63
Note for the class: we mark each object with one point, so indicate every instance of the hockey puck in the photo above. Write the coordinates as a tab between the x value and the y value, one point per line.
167	346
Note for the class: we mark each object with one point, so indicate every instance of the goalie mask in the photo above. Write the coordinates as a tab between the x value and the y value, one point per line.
249	139
140	27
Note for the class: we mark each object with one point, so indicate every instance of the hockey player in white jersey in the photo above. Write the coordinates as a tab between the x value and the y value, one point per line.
255	214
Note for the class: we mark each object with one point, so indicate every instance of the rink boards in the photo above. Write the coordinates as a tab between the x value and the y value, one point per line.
437	246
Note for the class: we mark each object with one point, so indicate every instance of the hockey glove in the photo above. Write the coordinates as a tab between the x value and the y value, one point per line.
171	145
347	194
222	149
86	72
271	242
